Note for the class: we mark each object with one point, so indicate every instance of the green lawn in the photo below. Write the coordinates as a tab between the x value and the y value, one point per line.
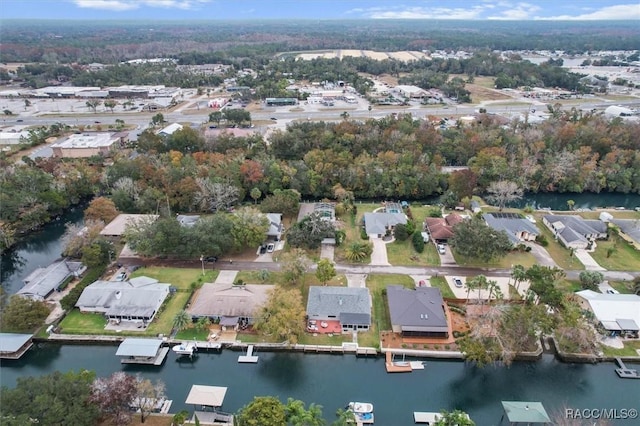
630	348
182	278
192	334
402	253
441	283
624	287
163	321
512	258
376	283
75	322
351	227
569	286
624	257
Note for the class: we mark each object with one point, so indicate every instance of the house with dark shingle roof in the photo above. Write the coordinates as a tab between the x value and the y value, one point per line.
441	228
517	228
574	231
629	229
351	306
418	312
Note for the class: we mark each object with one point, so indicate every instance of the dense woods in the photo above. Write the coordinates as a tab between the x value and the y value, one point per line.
390	158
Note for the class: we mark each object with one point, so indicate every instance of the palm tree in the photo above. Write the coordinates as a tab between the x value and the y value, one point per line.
345	418
519	274
181	320
478	283
358	251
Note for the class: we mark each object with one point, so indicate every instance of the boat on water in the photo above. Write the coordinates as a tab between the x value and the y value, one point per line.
362	411
185	348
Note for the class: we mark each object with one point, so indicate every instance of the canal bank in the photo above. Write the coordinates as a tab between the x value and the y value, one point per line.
334	380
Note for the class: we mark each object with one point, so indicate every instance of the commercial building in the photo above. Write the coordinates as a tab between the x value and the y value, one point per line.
85	145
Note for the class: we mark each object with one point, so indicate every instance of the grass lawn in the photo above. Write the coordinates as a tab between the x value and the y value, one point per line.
629	349
402	253
624	257
378	282
351	227
180	278
75	322
441	283
163	321
192	334
512	258
624	287
569	286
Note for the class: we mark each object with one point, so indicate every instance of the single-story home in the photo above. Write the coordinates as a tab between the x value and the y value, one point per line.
117	226
349	305
441	228
232	305
418	312
326	210
629	229
618	313
378	223
574	231
517	228
135	300
170	129
43	281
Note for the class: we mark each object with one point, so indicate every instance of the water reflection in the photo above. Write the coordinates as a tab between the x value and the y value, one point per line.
285	370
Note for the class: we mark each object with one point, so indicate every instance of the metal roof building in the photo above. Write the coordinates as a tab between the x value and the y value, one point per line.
117	226
139	347
14	345
616	312
43	281
525	412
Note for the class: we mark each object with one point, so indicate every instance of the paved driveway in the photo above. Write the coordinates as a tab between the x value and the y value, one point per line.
356	280
327	251
379	254
447	258
542	255
226	277
587	260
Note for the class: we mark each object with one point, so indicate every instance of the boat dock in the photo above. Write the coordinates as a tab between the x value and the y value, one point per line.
142	351
157	360
624	372
249	357
403	366
423	417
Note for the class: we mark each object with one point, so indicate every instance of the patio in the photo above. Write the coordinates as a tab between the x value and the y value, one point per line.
324	327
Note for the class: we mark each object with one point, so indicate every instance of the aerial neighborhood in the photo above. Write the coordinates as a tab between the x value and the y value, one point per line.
411	202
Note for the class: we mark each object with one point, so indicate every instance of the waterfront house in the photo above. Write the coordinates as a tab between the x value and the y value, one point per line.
418	312
523	412
39	284
575	232
629	230
233	306
441	228
618	313
350	306
517	228
135	300
326	210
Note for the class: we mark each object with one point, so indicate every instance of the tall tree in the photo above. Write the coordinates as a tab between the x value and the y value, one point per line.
297	415
590	279
147	395
503	192
325	271
55	399
262	411
454	418
294	264
282	317
114	395
250	227
101	208
475	239
181	320
23	315
310	231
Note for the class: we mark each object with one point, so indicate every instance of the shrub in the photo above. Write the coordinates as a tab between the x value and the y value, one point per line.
542	240
418	242
401	233
363	234
411	227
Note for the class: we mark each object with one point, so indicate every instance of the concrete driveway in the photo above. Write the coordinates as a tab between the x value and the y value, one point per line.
542	255
379	254
447	258
356	280
327	251
226	277
503	283
585	258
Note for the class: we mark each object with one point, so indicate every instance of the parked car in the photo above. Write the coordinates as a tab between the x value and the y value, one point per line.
121	276
211	259
270	247
263	249
441	249
457	282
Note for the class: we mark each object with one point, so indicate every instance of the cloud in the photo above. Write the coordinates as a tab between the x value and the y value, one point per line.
519	11
123	5
424	13
621	11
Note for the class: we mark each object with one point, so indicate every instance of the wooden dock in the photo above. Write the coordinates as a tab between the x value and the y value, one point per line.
396	366
208	345
249	357
624	372
366	352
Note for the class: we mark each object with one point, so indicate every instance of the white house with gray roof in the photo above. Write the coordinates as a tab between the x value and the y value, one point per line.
574	231
351	306
135	300
517	228
378	224
618	313
418	312
630	230
43	281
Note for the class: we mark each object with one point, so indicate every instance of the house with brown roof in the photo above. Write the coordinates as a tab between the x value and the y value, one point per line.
441	228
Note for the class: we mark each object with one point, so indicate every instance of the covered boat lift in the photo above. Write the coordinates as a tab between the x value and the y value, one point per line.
142	351
207	401
523	412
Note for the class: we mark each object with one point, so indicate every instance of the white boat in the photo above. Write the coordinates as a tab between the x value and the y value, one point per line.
362	411
185	348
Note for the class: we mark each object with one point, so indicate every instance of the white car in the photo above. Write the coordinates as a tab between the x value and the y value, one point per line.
457	282
270	247
121	276
441	249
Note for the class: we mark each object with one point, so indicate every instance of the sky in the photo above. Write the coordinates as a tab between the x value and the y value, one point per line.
322	9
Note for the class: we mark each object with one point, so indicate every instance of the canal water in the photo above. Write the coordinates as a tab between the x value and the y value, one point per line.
334	380
584	200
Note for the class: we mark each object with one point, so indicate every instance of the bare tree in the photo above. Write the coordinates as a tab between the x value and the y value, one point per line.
76	237
504	191
114	395
147	395
215	196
